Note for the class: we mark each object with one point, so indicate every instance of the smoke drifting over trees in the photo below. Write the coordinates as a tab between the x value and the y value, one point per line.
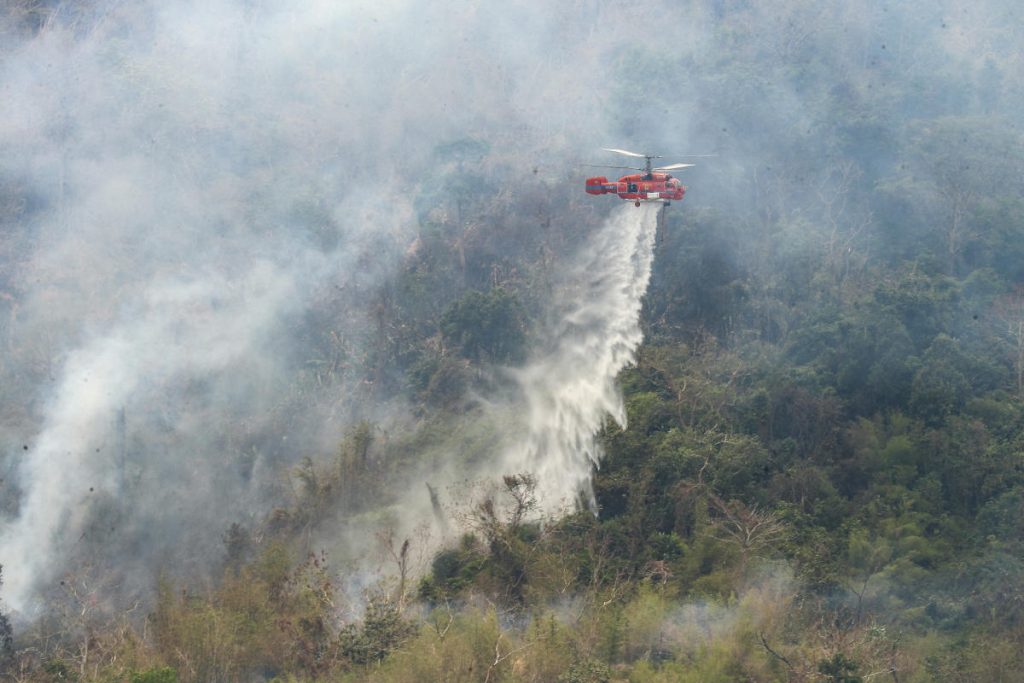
192	189
266	268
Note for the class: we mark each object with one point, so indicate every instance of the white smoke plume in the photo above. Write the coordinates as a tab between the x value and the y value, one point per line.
569	389
172	339
196	178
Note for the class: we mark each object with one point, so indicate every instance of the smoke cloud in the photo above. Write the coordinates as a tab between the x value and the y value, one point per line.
188	183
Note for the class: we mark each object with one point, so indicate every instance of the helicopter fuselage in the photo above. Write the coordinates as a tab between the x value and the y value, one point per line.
639	187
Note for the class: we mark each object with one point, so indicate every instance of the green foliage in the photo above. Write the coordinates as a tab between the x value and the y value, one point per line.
439	382
453	570
271	615
454	647
839	669
163	674
587	671
382	629
645	618
57	669
486	326
939	388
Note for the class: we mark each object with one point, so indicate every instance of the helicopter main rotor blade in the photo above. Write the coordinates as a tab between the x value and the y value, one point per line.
627	153
628	168
672	167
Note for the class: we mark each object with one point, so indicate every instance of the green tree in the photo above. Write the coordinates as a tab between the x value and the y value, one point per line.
940	386
382	630
486	326
839	669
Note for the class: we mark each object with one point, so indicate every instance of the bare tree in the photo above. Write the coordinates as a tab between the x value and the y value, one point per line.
1008	318
400	557
747	528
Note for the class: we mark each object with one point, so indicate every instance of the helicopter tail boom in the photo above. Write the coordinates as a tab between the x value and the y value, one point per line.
600	185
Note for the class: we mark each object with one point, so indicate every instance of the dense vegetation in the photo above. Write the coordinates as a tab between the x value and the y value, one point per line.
822	478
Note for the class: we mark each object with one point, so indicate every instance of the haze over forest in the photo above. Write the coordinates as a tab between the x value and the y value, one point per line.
318	363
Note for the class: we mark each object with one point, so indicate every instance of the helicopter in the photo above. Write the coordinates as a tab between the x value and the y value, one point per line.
652	185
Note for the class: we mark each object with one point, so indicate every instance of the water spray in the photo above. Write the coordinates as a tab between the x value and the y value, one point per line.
569	388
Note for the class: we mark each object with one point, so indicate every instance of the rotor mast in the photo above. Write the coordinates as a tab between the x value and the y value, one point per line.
648	169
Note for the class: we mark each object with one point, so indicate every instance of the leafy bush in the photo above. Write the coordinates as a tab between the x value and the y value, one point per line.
164	674
382	630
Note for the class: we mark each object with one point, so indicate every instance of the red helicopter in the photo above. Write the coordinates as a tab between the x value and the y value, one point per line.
653	185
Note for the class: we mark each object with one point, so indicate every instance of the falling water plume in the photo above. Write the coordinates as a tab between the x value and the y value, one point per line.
569	388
